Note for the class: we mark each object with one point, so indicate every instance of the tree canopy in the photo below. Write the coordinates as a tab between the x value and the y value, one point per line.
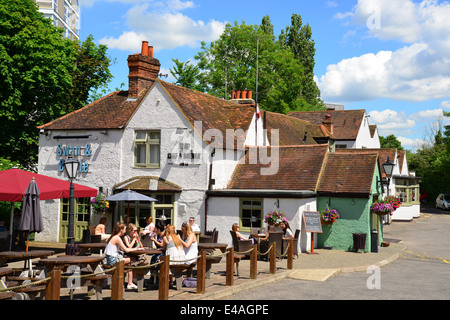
42	76
250	57
390	141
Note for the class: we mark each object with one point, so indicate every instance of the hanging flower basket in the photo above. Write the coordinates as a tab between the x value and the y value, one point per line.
275	218
381	208
394	201
100	205
329	216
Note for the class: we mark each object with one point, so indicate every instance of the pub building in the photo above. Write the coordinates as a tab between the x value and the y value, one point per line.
219	161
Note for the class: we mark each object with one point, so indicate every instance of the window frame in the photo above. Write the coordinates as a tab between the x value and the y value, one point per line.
148	142
243	207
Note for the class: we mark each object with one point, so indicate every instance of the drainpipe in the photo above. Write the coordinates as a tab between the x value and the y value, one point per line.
209	187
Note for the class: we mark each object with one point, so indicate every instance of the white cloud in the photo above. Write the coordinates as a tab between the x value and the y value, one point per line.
427	114
164	27
419	71
411	143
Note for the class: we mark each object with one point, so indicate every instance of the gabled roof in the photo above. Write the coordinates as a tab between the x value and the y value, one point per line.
148	183
115	110
298	169
346	123
292	130
348	174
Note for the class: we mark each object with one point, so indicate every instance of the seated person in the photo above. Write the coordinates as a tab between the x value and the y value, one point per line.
149	228
194	226
287	232
100	229
189	241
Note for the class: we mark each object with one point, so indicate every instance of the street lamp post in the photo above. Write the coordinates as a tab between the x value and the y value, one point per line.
71	168
388	167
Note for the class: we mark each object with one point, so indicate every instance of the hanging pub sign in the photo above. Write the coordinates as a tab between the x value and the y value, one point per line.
74	151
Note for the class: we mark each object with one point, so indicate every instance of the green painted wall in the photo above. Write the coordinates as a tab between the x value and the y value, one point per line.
355	217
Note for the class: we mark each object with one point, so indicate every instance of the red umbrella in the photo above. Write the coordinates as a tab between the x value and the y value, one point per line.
14	182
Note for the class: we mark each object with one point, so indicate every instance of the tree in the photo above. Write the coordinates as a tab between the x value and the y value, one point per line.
390	142
186	74
42	76
248	57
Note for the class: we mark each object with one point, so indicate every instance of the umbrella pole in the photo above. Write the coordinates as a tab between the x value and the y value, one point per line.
28	240
11	226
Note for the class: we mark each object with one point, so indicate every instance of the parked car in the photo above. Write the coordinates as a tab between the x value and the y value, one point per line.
443	201
423	197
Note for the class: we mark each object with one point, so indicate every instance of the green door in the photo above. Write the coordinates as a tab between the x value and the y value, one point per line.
82	218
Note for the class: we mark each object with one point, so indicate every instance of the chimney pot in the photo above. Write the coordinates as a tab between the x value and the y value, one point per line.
150	51
233	94
238	94
244	94
144	49
249	94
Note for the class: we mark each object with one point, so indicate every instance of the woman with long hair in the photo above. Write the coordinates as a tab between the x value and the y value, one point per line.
189	242
287	232
115	248
174	246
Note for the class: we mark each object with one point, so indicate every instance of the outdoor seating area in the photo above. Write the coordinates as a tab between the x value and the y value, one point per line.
86	275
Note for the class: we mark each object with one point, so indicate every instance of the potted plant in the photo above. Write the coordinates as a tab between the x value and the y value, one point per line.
329	216
381	208
275	218
100	205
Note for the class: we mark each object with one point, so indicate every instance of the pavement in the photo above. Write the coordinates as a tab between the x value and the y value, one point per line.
312	267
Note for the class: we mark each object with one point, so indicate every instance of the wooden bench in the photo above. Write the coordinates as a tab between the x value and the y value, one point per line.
7	295
177	271
33	291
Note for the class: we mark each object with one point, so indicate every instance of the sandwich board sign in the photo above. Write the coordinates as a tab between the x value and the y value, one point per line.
312	224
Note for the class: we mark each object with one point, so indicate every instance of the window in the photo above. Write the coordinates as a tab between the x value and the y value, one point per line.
147	149
407	191
341	146
139	211
251	214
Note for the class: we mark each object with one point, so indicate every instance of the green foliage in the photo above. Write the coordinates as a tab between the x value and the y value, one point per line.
42	76
284	81
390	142
432	164
186	75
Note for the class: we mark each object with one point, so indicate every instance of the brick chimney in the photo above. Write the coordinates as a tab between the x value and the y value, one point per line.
144	69
328	123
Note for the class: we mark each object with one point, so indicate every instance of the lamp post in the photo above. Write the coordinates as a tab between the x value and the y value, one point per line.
388	167
71	168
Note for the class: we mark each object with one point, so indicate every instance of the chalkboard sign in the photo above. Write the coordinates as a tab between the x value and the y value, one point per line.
312	221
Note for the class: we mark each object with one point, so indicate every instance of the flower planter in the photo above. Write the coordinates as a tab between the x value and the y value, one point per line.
327	223
381	213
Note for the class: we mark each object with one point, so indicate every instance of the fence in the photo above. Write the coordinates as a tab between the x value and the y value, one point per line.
52	287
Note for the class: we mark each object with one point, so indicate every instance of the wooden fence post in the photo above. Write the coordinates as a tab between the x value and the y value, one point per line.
53	289
253	262
273	258
117	281
164	278
230	267
290	253
201	273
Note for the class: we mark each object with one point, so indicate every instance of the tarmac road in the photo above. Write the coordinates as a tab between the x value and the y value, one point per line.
422	272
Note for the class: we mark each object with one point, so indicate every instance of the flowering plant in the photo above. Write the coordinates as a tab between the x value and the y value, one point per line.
381	207
275	217
329	216
99	204
394	201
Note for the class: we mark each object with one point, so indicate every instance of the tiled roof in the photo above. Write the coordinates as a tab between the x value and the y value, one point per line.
348	173
383	154
115	110
372	128
110	112
215	113
298	169
148	183
346	123
292	130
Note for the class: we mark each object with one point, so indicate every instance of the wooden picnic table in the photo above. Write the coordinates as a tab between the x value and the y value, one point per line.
6	271
85	247
6	256
62	262
209	261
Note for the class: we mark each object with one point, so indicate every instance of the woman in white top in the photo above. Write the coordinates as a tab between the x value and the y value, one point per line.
287	232
189	242
114	249
174	248
149	228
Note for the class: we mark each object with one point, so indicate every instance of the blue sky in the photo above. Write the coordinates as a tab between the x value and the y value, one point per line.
390	57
